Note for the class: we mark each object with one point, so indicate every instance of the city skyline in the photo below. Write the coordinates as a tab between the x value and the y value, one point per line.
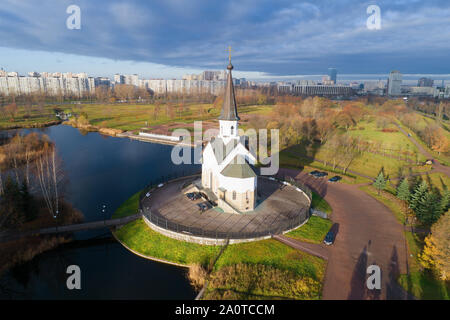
132	36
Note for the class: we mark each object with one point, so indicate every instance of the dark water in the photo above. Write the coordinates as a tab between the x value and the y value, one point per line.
101	171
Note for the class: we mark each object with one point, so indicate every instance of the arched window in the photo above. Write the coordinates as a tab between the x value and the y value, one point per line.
234	195
232	130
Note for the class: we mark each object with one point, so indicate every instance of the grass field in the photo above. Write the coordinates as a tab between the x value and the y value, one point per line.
283	272
439	180
313	231
368	164
139	237
24	119
265	270
124	116
320	204
289	160
396	141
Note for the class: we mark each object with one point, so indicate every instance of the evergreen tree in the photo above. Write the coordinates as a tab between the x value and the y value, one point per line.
445	201
403	190
380	182
428	208
418	195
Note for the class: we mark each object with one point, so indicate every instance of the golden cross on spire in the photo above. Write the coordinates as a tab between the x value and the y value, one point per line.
229	54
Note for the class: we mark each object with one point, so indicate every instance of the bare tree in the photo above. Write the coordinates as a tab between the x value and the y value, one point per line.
49	174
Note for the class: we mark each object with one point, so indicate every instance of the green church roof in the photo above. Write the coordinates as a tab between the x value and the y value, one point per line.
238	168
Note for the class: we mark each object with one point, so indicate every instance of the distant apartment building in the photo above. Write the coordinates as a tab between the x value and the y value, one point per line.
131	79
52	84
306	82
422	91
207	75
102	81
332	74
394	87
118	79
425	82
160	86
322	90
285	87
447	91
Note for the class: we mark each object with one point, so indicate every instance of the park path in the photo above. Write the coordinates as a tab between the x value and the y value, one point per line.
437	166
367	233
317	250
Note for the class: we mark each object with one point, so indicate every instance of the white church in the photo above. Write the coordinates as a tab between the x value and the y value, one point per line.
227	163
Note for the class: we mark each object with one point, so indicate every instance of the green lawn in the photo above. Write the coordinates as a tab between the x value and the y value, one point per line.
439	180
123	116
128	208
34	118
368	131
272	253
320	204
266	269
425	286
368	164
139	237
289	160
313	231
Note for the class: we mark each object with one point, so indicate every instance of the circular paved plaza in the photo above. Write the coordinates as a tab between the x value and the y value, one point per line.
280	208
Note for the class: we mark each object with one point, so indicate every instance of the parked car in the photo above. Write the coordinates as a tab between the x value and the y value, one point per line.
313	173
193	196
319	174
335	179
329	238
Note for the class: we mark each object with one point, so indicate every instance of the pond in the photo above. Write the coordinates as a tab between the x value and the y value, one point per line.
101	171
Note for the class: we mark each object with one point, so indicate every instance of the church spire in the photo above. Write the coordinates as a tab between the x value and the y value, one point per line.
229	109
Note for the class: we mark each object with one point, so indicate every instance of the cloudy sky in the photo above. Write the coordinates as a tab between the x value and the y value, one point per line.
269	38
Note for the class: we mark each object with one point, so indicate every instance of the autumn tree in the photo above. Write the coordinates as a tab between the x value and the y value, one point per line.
436	253
345	120
11	109
324	129
103	93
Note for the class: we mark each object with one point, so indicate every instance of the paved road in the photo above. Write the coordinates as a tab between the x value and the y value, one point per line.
368	233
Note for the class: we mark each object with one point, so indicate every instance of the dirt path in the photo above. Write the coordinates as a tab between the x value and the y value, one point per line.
368	233
315	249
437	166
